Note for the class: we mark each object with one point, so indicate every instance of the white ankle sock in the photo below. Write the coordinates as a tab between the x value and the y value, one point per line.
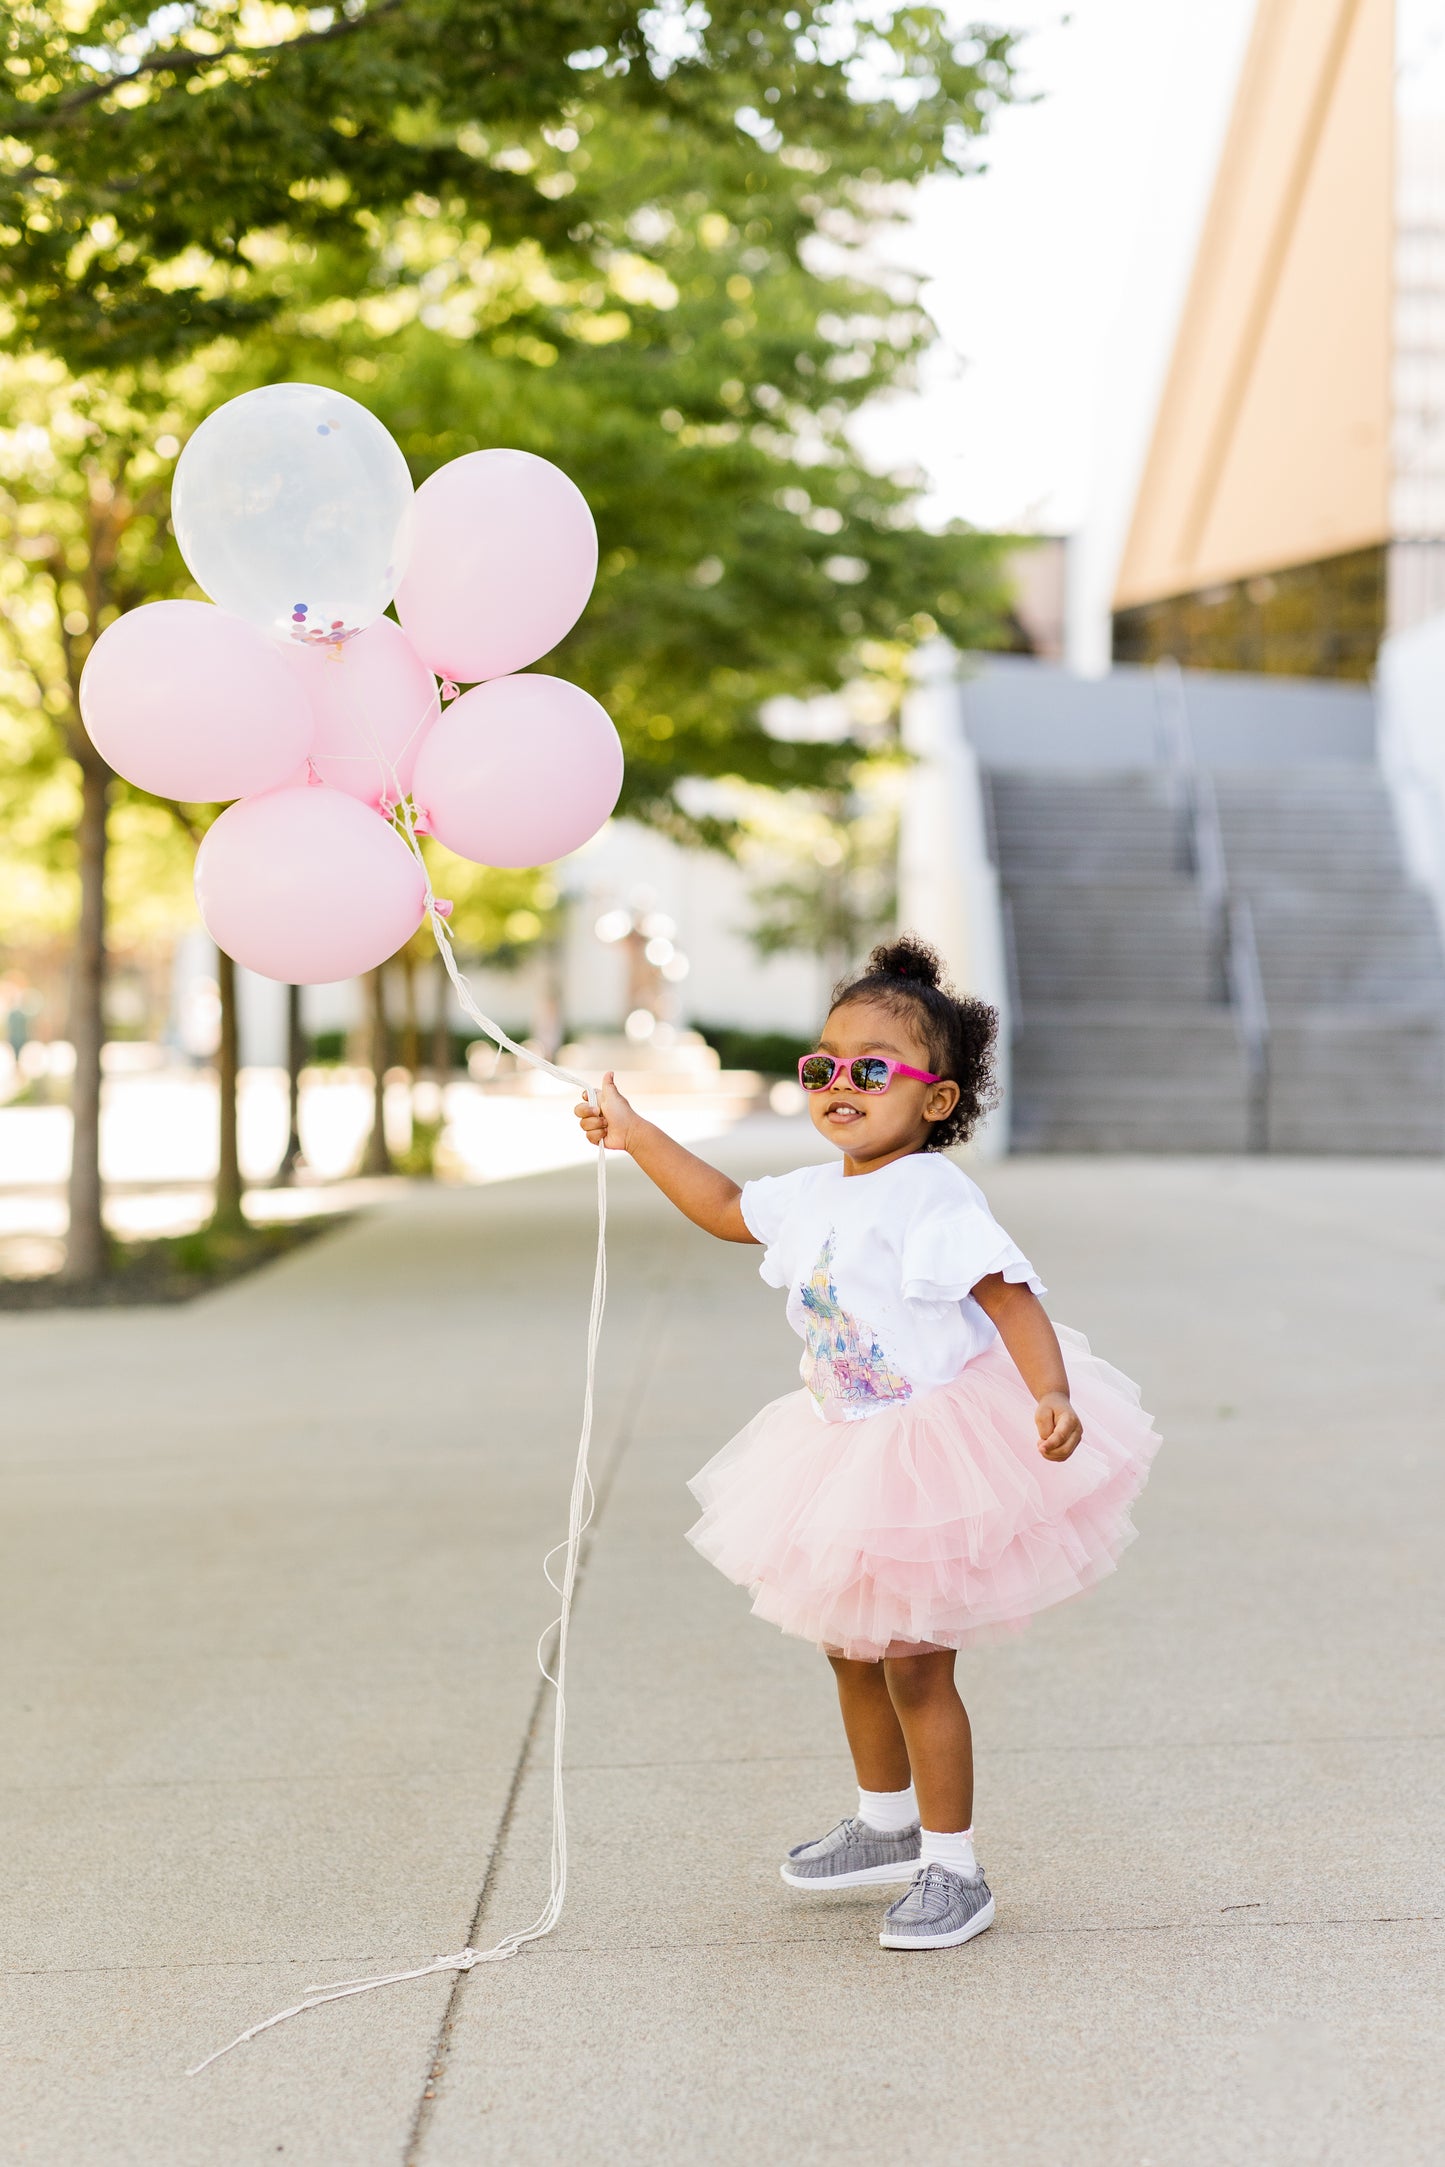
890	1812
954	1852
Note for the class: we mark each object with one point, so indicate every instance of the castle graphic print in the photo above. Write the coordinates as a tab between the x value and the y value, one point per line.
844	1365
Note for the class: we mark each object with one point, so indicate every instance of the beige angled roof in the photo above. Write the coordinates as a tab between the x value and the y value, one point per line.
1272	442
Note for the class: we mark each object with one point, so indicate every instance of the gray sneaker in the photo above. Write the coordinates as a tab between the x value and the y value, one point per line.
852	1856
940	1910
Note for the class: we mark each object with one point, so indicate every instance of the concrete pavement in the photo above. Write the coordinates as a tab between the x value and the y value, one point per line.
268	1595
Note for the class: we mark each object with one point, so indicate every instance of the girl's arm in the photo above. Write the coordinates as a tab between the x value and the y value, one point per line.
699	1191
1024	1327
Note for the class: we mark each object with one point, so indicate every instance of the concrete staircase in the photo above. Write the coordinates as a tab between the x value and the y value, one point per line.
1123	1040
1129	1035
1349	957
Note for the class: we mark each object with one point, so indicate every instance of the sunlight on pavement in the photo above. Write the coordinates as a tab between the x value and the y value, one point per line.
158	1149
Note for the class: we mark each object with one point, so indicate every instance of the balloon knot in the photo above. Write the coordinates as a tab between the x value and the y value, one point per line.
449	690
421	825
442	906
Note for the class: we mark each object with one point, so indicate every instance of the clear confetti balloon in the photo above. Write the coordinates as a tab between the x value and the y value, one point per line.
292	505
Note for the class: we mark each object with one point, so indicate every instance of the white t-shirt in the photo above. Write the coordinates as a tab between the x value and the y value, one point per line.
880	1270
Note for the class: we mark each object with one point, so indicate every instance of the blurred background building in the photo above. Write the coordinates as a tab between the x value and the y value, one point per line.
1291	509
1189	833
1213	894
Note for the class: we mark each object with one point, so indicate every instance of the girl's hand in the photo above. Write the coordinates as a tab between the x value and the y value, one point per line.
702	1193
611	1121
1058	1426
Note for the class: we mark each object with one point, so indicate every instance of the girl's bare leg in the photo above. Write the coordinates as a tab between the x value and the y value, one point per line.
875	1736
933	1724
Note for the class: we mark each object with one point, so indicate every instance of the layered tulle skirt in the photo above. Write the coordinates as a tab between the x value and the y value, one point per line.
933	1523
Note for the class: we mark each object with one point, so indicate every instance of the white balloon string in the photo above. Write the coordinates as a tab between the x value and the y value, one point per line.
376	757
404	819
580	1508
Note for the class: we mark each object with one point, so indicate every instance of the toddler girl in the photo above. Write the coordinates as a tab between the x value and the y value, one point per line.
943	1474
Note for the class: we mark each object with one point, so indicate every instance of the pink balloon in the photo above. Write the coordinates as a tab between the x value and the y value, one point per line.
519	771
374	700
502	562
187	701
307	886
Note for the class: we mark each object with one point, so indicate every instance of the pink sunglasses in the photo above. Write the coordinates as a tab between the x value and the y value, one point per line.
868	1072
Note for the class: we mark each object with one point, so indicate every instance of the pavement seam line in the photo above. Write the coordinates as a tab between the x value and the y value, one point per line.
1162	1745
745	1760
776	1941
653	1315
1014	1933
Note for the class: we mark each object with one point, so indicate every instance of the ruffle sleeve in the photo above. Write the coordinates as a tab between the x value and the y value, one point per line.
954	1241
767	1205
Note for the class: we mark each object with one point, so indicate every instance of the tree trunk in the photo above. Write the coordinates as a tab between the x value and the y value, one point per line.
228	1216
285	1173
410	1029
548	1028
410	1032
441	1035
86	1253
377	1159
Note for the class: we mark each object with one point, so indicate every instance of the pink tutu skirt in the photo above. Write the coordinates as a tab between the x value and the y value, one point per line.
931	1524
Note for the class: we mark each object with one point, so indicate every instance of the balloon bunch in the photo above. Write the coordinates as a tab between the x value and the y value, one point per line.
290	693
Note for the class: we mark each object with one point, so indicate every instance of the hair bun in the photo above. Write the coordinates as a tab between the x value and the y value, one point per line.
908	960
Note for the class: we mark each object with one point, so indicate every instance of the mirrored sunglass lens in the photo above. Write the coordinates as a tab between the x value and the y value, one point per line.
816	1072
870	1074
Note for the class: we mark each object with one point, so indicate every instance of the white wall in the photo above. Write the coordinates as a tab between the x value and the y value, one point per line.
1171	134
1412	747
947	884
261	1004
706	895
703	892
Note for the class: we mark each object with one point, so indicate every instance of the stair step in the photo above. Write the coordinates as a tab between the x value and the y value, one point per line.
1122	1057
1229	1132
1330	1136
1367	992
1045	986
1124	1041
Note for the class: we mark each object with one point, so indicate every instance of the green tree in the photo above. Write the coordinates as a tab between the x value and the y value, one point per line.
633	239
825	880
83	492
152	156
696	369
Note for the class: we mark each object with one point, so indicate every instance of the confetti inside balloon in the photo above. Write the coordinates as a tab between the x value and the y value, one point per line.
292	505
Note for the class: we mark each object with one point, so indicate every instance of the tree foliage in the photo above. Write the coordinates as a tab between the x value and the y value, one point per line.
825	875
636	241
84	491
145	141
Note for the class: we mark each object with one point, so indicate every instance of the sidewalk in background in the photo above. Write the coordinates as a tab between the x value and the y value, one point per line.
269	1593
158	1149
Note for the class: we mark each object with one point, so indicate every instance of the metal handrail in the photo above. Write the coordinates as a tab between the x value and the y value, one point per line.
990	815
1173	740
1011	963
1207	841
1246	985
1005	907
1228	917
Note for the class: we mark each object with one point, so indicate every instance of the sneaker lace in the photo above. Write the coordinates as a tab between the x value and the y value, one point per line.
921	1883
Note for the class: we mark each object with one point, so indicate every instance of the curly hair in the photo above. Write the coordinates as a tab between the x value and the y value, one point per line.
906	977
